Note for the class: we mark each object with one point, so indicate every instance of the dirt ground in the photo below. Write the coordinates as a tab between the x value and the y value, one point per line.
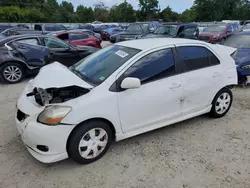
198	153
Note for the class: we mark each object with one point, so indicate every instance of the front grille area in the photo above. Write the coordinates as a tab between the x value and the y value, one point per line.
21	116
204	38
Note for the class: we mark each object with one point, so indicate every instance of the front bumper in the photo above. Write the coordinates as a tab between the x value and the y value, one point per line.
35	134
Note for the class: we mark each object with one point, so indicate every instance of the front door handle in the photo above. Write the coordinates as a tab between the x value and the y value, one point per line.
216	74
175	85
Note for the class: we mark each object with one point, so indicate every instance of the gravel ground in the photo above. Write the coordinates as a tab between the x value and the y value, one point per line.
198	153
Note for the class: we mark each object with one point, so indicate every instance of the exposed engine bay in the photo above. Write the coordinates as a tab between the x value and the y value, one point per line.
57	95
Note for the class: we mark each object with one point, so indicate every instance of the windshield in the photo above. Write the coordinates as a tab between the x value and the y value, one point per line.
215	29
134	28
246	26
144	27
55	27
99	66
238	41
166	30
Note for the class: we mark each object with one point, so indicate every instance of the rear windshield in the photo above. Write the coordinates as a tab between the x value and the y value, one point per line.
219	28
238	41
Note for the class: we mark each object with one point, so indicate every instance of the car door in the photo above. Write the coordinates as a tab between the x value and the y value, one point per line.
61	52
157	101
33	54
78	39
201	77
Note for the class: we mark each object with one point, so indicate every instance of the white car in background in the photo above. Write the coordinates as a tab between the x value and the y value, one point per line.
121	91
97	24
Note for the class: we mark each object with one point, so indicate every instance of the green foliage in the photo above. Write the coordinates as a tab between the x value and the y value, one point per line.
51	11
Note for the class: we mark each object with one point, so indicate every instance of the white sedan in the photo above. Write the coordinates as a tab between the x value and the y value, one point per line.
122	91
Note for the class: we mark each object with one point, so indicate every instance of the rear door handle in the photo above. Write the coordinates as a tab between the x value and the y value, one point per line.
175	85
216	74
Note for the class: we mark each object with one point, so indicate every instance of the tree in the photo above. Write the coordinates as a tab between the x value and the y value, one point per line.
168	15
101	12
84	14
123	12
66	11
189	15
148	9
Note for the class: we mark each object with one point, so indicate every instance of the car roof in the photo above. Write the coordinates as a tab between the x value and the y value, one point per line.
144	44
180	24
13	37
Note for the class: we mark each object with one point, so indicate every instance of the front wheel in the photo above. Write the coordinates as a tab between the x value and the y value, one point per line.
221	103
89	142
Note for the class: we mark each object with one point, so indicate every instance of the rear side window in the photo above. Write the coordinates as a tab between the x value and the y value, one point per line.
194	58
77	36
29	41
154	66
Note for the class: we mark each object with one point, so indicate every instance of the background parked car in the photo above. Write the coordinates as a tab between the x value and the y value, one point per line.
135	30
21	55
106	33
241	41
78	38
19	31
5	26
90	33
83	26
97	24
190	31
246	27
218	33
47	28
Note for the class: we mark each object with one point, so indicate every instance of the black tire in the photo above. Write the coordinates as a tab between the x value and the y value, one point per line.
77	135
214	113
10	65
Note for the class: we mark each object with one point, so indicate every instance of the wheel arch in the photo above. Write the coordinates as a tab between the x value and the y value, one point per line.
24	65
226	87
89	120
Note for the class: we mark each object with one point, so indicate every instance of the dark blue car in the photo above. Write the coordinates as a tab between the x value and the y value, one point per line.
241	41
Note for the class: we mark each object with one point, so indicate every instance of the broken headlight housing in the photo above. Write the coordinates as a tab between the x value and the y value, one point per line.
53	115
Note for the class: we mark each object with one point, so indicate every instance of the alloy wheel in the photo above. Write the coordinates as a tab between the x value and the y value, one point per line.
12	73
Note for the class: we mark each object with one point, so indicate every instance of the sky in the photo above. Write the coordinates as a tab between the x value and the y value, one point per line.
177	5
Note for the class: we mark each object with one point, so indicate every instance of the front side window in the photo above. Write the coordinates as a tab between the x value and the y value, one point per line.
54	43
153	66
99	66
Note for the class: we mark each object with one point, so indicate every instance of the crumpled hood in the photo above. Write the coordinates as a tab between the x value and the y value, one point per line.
57	75
243	56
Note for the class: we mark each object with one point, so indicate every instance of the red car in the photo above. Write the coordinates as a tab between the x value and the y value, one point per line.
218	33
78	38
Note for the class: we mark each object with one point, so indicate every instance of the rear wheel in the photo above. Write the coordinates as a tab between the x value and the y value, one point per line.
89	142
12	73
221	103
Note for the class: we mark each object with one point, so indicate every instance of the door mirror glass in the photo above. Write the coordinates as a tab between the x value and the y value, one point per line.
130	83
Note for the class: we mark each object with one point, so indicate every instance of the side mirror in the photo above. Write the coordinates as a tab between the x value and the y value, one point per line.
181	35
151	30
130	83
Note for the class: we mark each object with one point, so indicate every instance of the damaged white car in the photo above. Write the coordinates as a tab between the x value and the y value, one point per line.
122	91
